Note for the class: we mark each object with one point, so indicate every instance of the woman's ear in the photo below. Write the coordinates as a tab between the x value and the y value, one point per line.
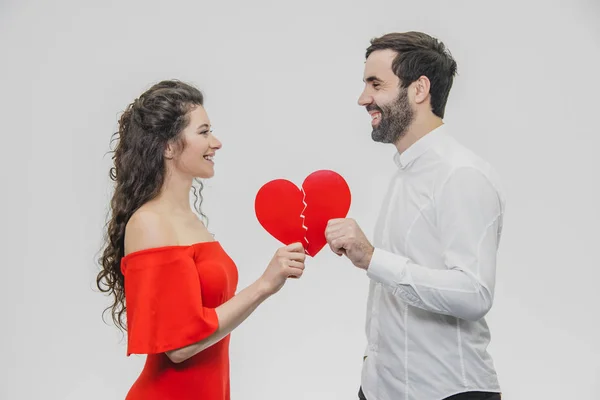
169	151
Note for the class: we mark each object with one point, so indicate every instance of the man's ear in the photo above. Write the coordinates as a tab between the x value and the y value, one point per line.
422	87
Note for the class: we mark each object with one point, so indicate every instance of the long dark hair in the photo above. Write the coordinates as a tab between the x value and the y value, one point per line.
146	126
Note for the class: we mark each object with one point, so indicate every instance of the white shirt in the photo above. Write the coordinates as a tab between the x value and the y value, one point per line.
433	275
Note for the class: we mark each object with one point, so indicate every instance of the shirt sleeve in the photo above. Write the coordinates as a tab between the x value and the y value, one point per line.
469	215
164	302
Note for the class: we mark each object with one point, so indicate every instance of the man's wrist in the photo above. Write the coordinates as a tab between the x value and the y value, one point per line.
368	257
387	267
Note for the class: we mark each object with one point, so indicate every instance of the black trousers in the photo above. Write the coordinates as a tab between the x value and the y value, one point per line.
459	396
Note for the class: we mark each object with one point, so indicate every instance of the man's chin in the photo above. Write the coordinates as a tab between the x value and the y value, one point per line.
379	137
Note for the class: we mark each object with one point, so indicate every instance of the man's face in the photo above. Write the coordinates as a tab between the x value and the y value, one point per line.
385	101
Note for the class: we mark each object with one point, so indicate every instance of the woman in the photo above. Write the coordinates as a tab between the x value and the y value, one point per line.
179	284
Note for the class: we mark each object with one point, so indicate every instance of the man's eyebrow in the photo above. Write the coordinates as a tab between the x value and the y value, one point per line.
372	78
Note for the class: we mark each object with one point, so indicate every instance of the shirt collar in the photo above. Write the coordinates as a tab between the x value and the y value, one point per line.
418	148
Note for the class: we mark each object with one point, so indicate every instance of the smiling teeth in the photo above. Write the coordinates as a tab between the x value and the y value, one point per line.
209	158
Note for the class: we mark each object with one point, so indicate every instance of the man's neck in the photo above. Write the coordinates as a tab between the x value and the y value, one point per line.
416	131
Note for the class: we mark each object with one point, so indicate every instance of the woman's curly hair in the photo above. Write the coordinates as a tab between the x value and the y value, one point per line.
146	126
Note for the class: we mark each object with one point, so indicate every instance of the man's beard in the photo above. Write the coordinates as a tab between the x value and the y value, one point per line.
395	119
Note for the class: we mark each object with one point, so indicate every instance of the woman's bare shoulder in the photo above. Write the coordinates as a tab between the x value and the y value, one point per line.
147	228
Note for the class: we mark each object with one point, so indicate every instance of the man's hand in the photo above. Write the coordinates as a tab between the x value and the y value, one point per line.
344	236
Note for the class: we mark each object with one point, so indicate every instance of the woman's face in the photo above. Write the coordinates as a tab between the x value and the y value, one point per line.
196	159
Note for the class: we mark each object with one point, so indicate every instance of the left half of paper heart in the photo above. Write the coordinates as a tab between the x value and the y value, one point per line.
279	207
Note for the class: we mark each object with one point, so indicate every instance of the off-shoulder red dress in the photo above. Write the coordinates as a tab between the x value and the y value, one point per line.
171	294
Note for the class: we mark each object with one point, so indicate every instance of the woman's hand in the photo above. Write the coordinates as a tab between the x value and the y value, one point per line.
288	262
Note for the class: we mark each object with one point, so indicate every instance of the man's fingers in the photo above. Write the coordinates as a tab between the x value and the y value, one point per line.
337	246
335	223
339	252
335	232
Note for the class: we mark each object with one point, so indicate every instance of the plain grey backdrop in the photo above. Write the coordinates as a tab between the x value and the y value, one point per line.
281	81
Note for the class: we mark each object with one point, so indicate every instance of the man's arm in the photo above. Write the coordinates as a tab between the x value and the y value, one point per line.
469	215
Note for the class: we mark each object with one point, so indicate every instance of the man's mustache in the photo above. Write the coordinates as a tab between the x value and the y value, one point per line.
374	107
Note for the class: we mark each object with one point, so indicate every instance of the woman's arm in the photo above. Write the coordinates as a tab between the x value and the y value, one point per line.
230	315
148	230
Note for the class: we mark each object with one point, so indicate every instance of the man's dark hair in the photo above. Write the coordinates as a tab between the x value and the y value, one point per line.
419	54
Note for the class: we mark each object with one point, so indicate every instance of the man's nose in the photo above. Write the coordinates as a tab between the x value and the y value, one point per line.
365	99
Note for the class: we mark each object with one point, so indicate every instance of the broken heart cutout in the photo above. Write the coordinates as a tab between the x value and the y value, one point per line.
291	214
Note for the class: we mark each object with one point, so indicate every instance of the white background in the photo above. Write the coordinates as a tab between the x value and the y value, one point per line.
281	81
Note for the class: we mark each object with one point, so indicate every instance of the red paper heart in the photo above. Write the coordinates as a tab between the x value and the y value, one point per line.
291	214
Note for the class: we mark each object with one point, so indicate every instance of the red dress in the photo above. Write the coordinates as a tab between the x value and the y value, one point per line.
171	294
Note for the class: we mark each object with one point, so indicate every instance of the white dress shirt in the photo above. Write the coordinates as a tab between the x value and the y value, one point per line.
433	275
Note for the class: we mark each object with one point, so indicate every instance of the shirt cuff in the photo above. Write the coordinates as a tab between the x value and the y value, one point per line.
387	267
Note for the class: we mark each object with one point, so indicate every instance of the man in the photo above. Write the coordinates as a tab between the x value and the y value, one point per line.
433	258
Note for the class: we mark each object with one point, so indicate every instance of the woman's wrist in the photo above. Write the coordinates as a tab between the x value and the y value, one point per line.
262	289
